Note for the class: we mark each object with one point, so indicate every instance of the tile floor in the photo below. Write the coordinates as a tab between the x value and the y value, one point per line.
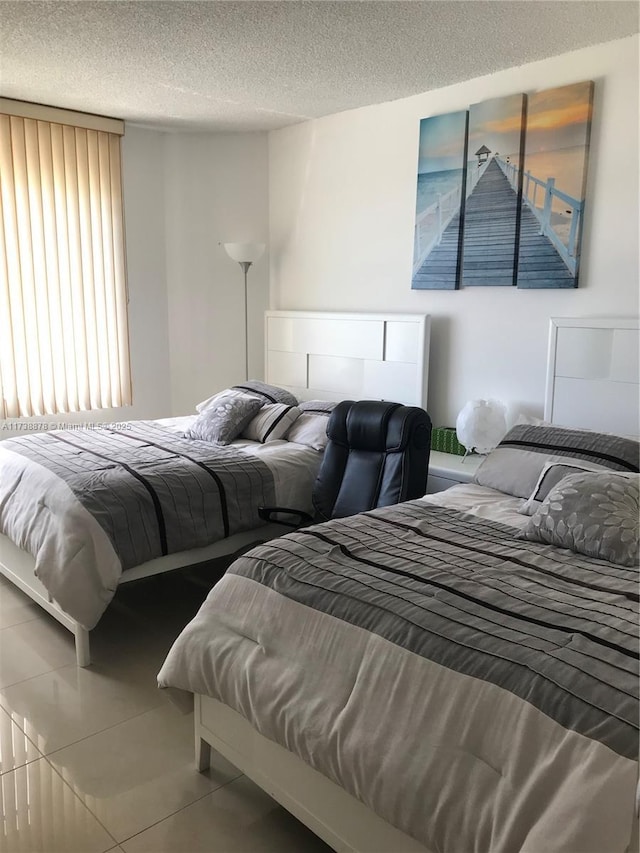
98	759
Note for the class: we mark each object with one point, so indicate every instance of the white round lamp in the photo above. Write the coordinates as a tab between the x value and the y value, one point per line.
480	425
244	253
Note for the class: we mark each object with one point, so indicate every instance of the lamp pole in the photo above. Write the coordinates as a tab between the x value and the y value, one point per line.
245	269
245	254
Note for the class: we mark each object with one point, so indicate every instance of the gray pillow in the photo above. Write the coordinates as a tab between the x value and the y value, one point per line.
266	393
517	462
552	474
224	420
200	407
252	388
595	514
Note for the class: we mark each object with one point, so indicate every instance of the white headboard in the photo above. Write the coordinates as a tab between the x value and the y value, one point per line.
332	356
592	374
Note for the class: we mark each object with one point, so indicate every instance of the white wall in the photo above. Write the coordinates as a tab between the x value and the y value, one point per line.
144	202
215	192
143	170
342	203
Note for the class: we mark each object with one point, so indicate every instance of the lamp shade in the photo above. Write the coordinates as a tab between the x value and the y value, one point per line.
481	424
244	252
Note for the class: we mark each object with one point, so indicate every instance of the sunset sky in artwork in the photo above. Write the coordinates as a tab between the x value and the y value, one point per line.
496	123
558	118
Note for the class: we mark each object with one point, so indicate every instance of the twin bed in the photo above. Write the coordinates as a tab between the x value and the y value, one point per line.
82	511
472	690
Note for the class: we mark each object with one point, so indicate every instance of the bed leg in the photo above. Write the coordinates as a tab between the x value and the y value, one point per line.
83	650
203	754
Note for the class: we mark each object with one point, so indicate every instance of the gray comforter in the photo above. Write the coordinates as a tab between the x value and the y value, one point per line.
91	503
477	691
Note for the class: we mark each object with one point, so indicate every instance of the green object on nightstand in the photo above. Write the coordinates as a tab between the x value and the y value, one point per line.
445	440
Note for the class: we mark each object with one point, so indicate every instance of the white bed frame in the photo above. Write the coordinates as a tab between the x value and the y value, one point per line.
593	366
592	374
341	820
331	356
319	356
18	566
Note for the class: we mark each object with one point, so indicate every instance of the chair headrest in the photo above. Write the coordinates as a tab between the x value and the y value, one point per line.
373	425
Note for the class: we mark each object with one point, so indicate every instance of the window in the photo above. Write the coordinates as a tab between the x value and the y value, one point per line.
63	298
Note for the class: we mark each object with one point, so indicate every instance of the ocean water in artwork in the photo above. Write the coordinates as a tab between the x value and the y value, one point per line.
439	202
434	184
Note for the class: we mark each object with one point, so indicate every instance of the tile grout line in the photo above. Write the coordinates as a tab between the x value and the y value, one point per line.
73	743
20	766
21	622
88	807
82	803
177	811
75	796
24	680
101	731
24	734
157	700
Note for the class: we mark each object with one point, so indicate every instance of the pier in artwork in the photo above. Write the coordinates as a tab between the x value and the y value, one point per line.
490	249
540	246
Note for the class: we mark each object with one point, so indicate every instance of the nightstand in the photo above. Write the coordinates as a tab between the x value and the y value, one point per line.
446	469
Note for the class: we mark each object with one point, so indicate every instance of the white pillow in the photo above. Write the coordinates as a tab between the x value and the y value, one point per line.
310	428
271	423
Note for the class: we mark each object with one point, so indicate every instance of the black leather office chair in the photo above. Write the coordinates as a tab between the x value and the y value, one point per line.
377	455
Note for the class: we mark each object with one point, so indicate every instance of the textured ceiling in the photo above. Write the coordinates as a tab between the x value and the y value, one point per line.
262	65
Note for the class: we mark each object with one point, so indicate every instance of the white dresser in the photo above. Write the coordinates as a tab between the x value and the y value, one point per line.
446	469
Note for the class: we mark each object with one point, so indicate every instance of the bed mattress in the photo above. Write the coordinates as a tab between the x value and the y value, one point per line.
476	691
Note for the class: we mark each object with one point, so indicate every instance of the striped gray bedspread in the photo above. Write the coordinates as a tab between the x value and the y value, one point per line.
477	691
113	499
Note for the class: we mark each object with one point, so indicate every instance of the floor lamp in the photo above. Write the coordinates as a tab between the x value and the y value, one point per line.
245	254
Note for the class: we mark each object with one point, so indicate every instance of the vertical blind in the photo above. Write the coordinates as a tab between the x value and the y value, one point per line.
64	344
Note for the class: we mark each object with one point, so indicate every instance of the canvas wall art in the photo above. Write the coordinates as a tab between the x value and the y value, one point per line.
440	202
492	210
554	175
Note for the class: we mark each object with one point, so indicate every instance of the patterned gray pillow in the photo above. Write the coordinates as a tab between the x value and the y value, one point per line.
595	514
253	388
224	420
